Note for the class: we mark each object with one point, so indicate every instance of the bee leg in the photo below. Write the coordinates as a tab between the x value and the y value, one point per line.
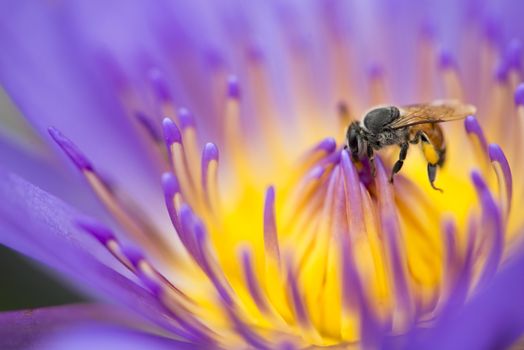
371	158
432	173
402	156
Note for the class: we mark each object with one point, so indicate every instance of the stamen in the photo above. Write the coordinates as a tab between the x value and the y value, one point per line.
174	144
354	212
519	102
492	225
171	190
252	281
270	229
452	86
135	224
209	170
105	236
186	234
478	140
299	308
71	150
513	61
142	265
148	126
378	93
161	92
354	298
504	177
234	139
187	124
392	234
461	283
191	328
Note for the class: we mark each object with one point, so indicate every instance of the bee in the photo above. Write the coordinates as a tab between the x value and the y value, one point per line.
403	126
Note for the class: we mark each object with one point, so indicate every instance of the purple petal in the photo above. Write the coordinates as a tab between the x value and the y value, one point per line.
493	319
39	225
102	337
55	82
21	329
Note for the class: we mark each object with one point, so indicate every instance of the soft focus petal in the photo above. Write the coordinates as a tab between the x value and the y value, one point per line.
45	173
109	338
22	329
493	319
42	227
45	71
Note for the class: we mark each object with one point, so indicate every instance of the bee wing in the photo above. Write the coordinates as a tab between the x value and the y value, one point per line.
435	112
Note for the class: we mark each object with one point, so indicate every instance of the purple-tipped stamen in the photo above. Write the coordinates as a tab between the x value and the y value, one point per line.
353	199
519	95
171	187
492	224
72	151
133	254
159	85
209	154
473	128
513	54
233	87
450	242
353	295
327	145
446	59
186	234
96	229
149	127
253	286
270	227
391	232
209	267
375	71
186	118
171	132
505	179
299	308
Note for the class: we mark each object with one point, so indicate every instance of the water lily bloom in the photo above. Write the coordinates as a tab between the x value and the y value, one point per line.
183	164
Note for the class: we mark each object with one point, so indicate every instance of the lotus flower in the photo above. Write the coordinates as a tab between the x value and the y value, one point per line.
211	202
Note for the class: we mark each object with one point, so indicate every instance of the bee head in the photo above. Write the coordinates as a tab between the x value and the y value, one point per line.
354	140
